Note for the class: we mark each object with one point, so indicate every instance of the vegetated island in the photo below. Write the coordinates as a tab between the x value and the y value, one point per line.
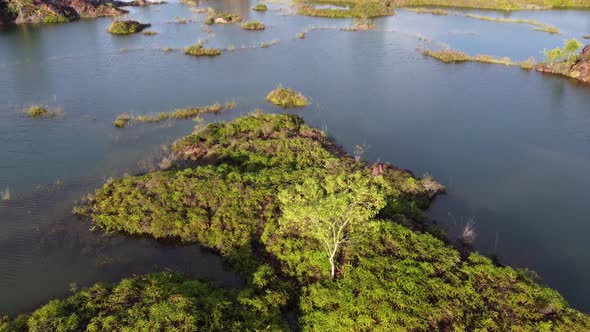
287	98
54	11
126	27
326	236
124	119
562	61
213	17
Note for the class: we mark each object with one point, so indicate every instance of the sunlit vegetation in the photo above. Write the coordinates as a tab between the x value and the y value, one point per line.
253	25
300	35
528	64
539	26
42	111
213	17
287	98
498	4
181	113
126	27
433	11
149	33
346	238
356	9
265	44
200	50
162	301
560	60
261	7
452	56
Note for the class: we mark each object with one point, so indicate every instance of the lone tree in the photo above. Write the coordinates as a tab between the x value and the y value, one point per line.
332	209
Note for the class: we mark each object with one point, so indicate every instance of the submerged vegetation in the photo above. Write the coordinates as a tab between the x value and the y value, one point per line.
287	98
261	7
126	27
181	113
346	239
539	26
253	25
200	50
42	111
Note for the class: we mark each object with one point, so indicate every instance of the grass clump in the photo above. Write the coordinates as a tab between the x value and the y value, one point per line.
539	26
122	120
357	9
253	25
261	7
433	11
300	35
42	111
200	50
263	188
181	113
287	98
126	27
454	56
149	33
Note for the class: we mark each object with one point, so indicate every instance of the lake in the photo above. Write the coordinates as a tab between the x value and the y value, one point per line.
511	146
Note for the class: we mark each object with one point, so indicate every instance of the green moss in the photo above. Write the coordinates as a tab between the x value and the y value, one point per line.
261	7
200	50
287	98
253	25
126	27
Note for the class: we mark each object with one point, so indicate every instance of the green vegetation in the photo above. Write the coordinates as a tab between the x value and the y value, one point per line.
497	4
261	7
181	113
160	302
539	26
453	56
42	111
126	27
287	98
200	50
51	18
433	11
300	35
224	18
357	9
346	239
567	54
149	33
253	25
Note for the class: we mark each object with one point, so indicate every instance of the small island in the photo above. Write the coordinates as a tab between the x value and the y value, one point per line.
126	27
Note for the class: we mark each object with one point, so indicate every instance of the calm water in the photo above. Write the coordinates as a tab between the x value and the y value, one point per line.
513	147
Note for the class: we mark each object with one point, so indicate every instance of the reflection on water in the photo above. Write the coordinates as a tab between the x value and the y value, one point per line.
511	146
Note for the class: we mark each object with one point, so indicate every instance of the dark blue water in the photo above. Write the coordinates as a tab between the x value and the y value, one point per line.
512	147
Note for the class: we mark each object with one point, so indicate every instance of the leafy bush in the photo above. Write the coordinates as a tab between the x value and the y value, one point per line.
200	50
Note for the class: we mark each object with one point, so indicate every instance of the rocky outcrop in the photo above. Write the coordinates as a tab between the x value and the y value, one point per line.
53	11
580	70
